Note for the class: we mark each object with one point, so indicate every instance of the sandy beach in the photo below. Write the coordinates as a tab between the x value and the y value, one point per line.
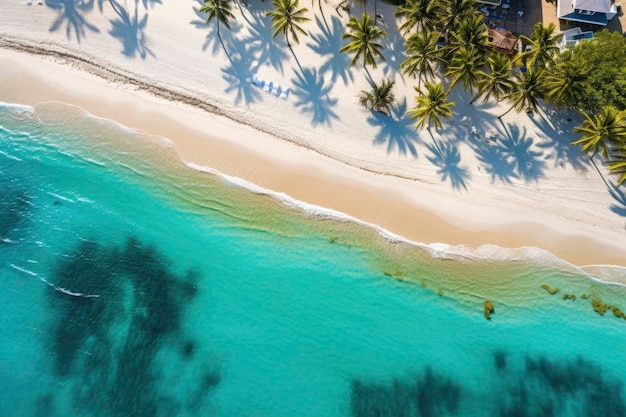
525	187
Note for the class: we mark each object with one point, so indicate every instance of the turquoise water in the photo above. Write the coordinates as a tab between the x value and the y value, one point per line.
132	285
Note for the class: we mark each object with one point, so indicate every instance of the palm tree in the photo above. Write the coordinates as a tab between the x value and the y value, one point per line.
545	45
379	98
528	90
566	84
617	165
220	10
604	130
424	53
431	106
465	66
417	14
471	33
364	41
286	19
498	81
453	12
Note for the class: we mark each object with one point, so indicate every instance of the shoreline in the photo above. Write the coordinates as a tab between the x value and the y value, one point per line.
296	171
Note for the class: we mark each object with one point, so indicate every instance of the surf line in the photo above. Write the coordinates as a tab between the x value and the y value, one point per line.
63	290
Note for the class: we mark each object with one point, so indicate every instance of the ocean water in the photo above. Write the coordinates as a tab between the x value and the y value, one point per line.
133	285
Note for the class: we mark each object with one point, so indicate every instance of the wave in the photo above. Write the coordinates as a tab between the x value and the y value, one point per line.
610	274
602	273
60	289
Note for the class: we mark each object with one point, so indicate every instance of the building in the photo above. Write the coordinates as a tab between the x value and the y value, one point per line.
572	37
596	12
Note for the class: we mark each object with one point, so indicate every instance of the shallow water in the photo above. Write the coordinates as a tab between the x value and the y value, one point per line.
132	285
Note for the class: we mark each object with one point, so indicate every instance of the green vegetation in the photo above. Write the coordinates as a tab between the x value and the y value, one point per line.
599	307
221	11
464	67
617	165
364	41
496	82
431	106
287	18
566	83
548	288
618	313
602	131
606	83
447	44
488	309
418	15
379	98
424	56
527	92
545	45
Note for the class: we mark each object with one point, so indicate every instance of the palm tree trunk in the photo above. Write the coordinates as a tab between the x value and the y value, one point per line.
297	60
219	36
476	97
504	114
369	77
593	161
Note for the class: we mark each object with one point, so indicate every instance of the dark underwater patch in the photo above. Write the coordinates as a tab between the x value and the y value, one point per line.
540	387
428	395
15	207
561	388
107	344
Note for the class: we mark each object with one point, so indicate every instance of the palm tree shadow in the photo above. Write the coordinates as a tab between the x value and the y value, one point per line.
269	50
70	13
618	195
211	36
554	137
496	162
394	49
518	146
130	31
396	130
327	44
146	3
313	96
237	74
150	3
447	158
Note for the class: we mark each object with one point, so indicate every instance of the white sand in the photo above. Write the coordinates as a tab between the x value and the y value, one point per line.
376	169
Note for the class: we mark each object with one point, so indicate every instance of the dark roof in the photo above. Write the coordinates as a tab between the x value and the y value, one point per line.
565	10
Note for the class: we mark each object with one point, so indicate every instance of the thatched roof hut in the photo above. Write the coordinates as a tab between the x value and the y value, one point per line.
503	41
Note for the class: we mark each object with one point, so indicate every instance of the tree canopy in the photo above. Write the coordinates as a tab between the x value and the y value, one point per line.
606	84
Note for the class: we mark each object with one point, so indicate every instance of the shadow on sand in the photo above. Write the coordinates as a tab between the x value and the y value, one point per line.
447	158
130	31
237	74
71	15
326	45
396	130
268	50
312	91
556	126
211	39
